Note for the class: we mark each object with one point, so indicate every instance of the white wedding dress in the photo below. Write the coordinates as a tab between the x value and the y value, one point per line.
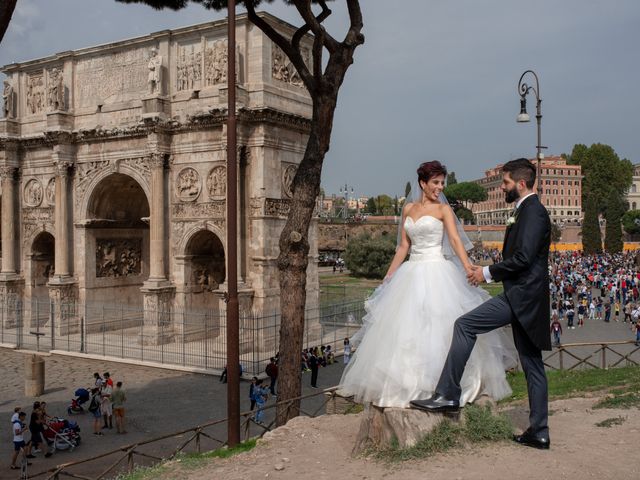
408	326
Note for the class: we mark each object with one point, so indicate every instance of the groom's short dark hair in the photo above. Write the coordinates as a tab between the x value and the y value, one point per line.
521	169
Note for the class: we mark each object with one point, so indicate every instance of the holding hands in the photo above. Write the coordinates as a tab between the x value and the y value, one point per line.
474	275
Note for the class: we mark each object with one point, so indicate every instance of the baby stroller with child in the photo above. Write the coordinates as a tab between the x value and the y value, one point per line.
61	434
82	395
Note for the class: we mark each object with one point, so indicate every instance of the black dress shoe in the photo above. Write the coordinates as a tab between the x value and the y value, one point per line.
531	440
437	403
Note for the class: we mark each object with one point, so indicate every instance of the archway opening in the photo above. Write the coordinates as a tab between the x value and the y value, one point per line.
205	254
42	265
117	241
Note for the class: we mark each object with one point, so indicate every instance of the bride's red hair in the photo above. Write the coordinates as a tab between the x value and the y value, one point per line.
431	169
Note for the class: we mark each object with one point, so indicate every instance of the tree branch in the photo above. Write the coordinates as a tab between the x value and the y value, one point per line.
293	53
354	36
315	23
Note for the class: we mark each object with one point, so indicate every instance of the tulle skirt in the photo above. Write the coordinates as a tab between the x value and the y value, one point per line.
407	332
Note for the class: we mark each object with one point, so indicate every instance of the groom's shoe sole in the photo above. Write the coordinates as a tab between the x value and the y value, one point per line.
420	405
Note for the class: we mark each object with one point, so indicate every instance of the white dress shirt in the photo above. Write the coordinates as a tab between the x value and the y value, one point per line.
485	270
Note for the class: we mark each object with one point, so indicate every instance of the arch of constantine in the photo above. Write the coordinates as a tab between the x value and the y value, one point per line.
113	180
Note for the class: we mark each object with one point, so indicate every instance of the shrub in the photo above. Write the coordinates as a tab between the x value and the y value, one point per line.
368	256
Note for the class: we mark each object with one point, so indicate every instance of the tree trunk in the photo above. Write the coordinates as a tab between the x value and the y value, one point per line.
6	12
294	257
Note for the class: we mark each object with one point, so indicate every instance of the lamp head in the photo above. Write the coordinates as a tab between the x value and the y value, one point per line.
523	116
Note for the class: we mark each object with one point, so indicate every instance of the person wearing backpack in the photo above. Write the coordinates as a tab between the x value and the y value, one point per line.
94	409
272	372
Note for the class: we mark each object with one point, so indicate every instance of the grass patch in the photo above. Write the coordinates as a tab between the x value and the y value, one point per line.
143	473
610	422
620	400
354	408
480	425
188	461
493	288
342	287
564	383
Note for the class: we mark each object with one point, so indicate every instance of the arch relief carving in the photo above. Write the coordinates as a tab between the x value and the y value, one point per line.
50	191
33	193
217	182
188	184
288	175
90	174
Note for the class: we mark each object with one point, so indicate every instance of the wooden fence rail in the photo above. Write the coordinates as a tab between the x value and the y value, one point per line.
129	452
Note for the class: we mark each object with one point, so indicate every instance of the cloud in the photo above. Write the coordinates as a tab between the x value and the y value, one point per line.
25	17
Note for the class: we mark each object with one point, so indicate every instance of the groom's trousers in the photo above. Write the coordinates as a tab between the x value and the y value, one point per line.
493	314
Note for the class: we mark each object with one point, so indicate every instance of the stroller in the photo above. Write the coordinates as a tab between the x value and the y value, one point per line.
62	434
81	396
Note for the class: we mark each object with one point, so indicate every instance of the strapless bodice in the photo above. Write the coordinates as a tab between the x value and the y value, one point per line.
426	238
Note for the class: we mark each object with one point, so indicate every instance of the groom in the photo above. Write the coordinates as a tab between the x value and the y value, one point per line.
524	305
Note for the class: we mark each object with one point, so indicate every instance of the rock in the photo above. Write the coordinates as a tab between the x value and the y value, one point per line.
381	427
279	467
338	403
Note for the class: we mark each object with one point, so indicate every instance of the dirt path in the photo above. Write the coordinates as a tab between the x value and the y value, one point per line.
320	448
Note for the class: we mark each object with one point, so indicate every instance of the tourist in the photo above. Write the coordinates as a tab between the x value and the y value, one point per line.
637	329
313	363
607	312
105	405
556	329
260	395
252	387
347	351
272	372
36	427
97	380
19	427
627	312
118	398
570	314
94	409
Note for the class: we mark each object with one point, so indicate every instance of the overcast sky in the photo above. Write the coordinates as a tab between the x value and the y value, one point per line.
436	79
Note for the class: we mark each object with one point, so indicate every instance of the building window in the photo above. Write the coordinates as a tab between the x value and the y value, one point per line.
633	206
633	188
562	202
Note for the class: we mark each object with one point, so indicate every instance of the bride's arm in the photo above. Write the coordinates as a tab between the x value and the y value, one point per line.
448	218
403	247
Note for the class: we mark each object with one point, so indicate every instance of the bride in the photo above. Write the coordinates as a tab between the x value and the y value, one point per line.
409	319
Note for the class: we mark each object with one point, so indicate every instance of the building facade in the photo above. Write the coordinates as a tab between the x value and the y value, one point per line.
633	197
113	174
561	193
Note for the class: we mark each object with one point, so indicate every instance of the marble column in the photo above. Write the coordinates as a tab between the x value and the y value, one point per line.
157	236
9	220
61	215
62	287
158	293
11	284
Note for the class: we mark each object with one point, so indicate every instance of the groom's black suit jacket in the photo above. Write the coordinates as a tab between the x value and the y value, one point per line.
524	270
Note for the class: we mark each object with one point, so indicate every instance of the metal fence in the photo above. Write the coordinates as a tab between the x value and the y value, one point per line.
180	337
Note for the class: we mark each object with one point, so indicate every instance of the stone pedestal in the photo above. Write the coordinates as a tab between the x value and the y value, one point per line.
11	294
59	120
9	127
384	427
63	294
155	106
33	376
158	314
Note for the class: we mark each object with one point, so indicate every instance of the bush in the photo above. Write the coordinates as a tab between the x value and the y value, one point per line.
368	256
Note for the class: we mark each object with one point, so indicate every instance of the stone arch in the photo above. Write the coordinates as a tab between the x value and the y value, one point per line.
116	169
41	262
116	233
203	265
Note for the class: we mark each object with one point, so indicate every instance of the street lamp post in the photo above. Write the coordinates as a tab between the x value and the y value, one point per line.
523	117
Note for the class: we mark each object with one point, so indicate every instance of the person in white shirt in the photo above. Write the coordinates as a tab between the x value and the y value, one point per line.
19	445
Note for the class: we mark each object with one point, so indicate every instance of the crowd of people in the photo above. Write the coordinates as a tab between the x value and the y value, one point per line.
311	360
105	401
586	288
